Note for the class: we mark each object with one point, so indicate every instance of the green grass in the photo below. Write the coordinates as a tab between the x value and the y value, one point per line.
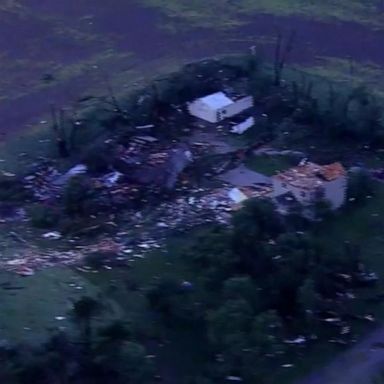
362	224
28	311
270	165
183	351
348	73
38	140
210	13
22	77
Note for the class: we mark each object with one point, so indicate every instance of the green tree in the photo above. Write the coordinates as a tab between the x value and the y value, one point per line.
242	287
233	316
360	185
307	297
174	302
83	313
78	192
258	220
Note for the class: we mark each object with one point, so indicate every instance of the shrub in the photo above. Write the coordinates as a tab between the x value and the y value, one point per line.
13	190
43	216
98	159
360	185
77	195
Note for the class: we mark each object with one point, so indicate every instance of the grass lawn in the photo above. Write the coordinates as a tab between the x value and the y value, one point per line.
29	305
210	13
362	225
270	165
182	351
348	73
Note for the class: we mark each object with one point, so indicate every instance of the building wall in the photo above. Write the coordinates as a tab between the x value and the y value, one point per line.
237	107
302	195
201	110
335	191
243	126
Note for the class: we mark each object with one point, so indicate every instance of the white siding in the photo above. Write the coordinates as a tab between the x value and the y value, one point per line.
302	195
201	110
243	126
238	106
335	190
278	188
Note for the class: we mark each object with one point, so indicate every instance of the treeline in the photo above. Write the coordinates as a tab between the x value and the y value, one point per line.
289	101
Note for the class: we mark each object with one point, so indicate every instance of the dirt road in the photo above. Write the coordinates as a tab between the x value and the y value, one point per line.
355	366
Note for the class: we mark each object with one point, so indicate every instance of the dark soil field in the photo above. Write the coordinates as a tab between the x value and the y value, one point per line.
52	52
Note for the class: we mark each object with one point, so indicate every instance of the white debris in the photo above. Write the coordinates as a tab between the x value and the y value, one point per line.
332	320
345	330
149	126
298	340
234	378
52	235
111	179
369	317
236	195
243	126
78	169
8	174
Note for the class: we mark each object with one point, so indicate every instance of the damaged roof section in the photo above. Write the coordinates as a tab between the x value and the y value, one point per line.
310	175
161	168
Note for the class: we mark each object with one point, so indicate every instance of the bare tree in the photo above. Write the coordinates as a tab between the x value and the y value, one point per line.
281	54
59	131
112	99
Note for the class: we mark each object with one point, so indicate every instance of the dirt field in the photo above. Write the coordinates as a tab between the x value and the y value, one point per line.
51	51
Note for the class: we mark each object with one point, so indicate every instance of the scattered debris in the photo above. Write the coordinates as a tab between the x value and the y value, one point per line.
52	235
24	271
298	340
234	378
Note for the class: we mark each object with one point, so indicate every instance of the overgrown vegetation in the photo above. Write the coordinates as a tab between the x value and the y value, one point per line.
93	354
259	285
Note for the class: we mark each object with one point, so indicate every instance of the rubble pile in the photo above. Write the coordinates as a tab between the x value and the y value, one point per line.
190	211
31	259
26	263
201	206
42	182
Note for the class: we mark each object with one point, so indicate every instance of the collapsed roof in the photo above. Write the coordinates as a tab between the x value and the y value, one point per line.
310	175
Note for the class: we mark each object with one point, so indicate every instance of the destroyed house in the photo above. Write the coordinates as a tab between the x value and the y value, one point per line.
159	169
218	106
309	181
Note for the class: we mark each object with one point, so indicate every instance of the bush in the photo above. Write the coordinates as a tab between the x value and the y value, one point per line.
77	195
13	190
43	216
98	159
360	185
170	299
